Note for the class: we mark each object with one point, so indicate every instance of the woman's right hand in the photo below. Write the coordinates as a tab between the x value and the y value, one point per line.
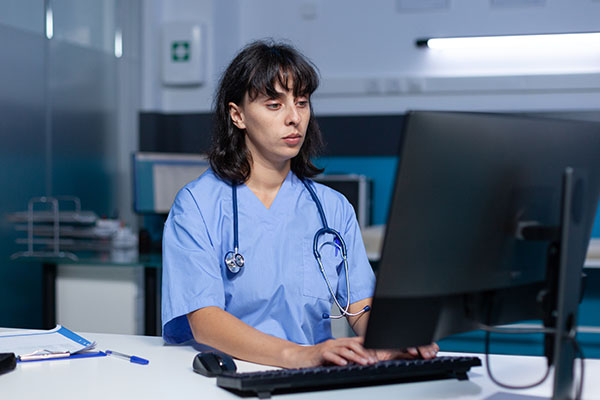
334	351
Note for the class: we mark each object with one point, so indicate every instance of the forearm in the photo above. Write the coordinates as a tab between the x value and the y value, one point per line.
359	322
219	329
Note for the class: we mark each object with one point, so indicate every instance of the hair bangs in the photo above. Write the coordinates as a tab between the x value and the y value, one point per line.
281	67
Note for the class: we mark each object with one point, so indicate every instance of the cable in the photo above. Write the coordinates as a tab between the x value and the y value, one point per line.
504	385
571	336
582	366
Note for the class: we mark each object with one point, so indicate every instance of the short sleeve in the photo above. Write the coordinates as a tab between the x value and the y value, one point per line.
362	278
191	269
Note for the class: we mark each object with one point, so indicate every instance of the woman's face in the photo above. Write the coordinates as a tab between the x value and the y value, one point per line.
275	127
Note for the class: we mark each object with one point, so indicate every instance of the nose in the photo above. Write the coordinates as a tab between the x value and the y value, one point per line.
293	117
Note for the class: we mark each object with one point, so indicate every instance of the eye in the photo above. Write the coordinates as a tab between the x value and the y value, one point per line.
302	103
273	106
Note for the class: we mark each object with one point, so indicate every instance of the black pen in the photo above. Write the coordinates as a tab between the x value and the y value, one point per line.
133	359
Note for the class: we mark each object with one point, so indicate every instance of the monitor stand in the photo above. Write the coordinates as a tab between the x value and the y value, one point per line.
565	270
568	294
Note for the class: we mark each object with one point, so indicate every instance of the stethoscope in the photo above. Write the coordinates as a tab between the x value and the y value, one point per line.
235	261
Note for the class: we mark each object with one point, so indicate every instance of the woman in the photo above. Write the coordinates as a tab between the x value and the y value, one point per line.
239	273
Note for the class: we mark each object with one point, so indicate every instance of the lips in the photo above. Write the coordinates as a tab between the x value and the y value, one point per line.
292	139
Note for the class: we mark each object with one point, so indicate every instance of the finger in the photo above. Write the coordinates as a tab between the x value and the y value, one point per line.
413	351
360	354
383	355
353	356
333	358
434	348
369	355
355	344
427	352
374	354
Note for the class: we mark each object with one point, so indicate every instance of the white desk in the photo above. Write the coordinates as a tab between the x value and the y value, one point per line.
169	376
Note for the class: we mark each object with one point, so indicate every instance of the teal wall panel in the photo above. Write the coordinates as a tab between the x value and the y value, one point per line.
596	229
23	160
143	187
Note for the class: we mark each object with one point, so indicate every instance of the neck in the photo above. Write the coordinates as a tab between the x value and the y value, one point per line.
265	181
266	178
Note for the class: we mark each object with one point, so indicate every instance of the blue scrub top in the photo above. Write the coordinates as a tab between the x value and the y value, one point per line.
280	290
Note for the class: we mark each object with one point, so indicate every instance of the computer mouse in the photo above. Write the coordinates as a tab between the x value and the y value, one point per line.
211	364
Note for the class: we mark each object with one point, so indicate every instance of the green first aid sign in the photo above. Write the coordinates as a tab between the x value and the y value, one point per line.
180	51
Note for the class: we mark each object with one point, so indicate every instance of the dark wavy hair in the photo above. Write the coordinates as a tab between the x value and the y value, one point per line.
256	70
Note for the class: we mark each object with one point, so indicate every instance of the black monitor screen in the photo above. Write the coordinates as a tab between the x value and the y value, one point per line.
465	183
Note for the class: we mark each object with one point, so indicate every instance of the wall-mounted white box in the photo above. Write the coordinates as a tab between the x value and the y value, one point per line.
183	53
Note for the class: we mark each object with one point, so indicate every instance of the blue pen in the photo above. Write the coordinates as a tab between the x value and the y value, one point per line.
133	359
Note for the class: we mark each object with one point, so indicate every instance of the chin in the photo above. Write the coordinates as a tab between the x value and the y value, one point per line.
290	155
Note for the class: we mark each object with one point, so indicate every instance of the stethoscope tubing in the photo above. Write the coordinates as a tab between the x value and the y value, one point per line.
235	219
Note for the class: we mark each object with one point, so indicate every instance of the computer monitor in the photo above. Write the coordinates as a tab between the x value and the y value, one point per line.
157	177
357	190
488	210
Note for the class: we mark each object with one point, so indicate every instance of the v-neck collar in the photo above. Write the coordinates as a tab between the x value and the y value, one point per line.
287	182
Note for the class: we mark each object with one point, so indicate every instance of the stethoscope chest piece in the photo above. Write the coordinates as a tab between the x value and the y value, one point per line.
234	261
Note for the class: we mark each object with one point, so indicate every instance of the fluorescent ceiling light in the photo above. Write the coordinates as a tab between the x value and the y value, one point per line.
118	44
49	23
568	40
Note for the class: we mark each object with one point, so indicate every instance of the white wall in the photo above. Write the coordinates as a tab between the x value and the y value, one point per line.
370	64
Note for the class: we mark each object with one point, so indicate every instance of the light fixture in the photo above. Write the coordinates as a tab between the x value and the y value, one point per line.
561	40
49	22
118	43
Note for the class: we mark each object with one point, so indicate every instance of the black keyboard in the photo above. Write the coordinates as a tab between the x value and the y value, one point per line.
264	383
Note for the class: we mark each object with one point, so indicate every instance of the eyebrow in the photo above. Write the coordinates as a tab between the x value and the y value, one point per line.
263	96
282	94
279	95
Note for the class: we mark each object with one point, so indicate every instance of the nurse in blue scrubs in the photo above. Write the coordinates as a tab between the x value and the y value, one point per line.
239	269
